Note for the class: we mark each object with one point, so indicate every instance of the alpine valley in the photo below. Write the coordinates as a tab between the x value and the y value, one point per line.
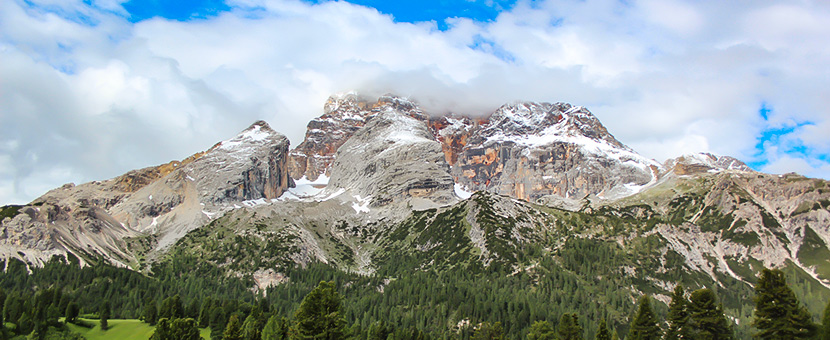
433	222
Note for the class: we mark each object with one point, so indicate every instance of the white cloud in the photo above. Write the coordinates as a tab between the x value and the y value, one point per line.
666	77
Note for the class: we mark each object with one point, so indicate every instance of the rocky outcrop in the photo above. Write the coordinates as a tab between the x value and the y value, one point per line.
343	115
393	158
703	162
530	150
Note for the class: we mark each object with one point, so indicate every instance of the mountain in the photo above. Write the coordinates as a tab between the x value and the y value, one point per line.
539	197
149	209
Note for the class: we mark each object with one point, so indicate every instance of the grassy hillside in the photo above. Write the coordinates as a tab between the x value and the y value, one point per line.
129	329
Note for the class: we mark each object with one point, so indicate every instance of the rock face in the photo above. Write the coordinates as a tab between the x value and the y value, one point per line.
343	115
98	218
703	162
530	150
393	158
525	150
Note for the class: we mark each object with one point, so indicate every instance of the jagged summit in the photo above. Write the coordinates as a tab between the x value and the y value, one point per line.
343	115
523	149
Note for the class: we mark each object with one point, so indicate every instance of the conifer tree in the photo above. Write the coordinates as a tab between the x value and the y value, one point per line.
489	331
217	322
614	335
233	331
541	330
645	325
569	328
778	313
251	328
678	315
204	312
706	318
150	312
71	313
319	315
162	331
171	308
602	331
177	329
275	329
378	331
105	315
185	329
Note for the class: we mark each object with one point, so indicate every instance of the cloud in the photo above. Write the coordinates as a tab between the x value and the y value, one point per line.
89	95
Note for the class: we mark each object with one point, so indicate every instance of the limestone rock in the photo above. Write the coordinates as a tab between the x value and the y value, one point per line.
703	162
530	150
343	115
393	158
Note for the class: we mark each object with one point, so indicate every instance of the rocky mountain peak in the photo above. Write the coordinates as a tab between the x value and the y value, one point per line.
534	123
393	158
703	162
343	115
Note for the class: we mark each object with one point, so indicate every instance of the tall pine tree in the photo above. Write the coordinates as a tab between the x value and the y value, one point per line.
602	331
678	315
319	316
706	318
778	313
569	328
541	330
645	325
234	329
105	315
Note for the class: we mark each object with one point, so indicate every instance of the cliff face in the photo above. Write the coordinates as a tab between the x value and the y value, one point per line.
343	115
393	158
99	218
530	150
524	150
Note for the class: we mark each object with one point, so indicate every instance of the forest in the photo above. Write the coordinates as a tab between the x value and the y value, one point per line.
321	302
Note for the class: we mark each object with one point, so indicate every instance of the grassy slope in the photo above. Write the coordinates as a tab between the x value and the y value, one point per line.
130	329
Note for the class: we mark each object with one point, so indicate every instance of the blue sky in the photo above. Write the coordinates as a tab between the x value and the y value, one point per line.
94	88
403	11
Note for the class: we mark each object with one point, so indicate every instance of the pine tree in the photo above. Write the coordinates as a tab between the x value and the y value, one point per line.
825	327
150	312
217	322
378	331
251	328
602	331
162	331
487	331
706	318
541	330
176	329
645	325
778	313
171	308
71	313
233	331
105	315
275	329
569	328
678	315
319	315
204	312
185	329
